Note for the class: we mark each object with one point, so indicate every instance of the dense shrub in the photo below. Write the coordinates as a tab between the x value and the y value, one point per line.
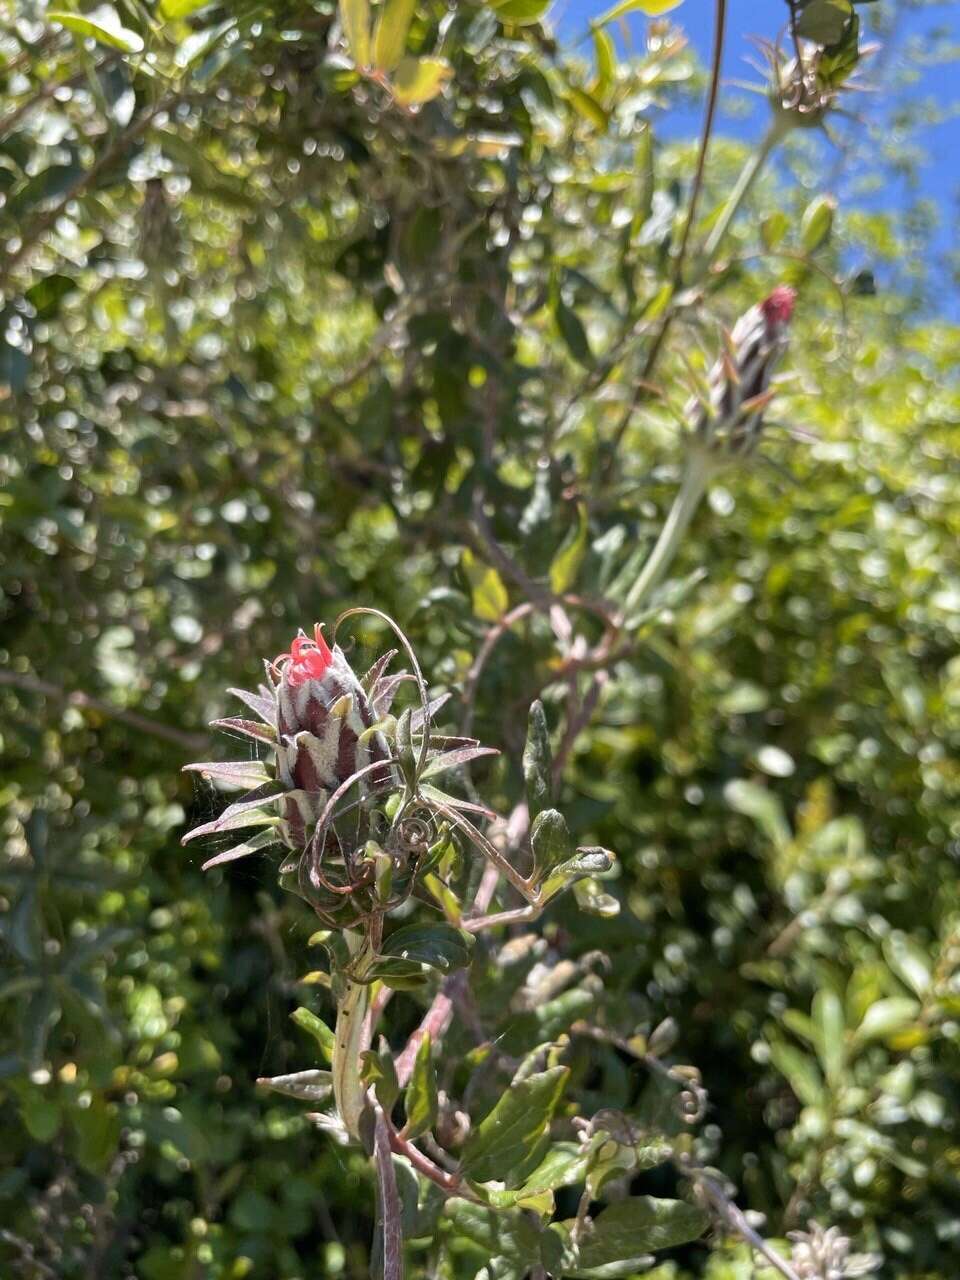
277	343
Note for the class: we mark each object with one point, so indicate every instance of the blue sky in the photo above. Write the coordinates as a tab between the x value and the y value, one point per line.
937	82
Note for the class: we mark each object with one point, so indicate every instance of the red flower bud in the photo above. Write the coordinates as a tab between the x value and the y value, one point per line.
728	419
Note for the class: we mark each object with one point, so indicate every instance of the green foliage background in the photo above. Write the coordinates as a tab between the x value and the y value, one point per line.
273	346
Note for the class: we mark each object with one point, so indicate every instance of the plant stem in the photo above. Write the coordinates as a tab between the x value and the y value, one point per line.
778	129
701	465
719	30
351	1037
389	1200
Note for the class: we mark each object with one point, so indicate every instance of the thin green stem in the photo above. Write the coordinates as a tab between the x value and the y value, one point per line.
700	467
748	175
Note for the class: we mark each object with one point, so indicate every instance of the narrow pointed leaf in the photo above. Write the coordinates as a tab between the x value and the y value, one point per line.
255	844
421	1100
390	37
309	1086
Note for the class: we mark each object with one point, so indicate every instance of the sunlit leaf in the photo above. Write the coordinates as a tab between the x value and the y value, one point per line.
419	80
101	24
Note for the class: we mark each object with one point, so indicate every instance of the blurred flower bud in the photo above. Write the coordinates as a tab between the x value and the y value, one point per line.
820	1254
727	418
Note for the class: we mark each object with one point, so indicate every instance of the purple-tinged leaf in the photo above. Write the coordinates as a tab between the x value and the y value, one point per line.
309	1086
433	706
245	813
453	759
242	773
266	708
370	680
430	792
249	728
260	841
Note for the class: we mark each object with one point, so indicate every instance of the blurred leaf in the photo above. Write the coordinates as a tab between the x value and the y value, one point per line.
594	113
606	56
827	1016
101	24
816	223
390	33
520	13
800	1071
418	80
566	563
886	1018
824	21
756	802
45	188
909	962
488	594
355	20
652	8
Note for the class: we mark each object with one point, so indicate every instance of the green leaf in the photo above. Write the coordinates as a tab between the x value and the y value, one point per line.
800	1072
594	113
379	1072
909	962
550	841
355	20
816	223
501	1146
566	563
824	21
606	56
652	8
409	953
564	1165
420	1100
44	188
520	13
308	1021
40	1115
511	1234
419	80
97	1131
839	62
591	899
827	1015
488	594
572	331
586	862
390	34
314	1085
886	1017
628	1230
537	760
180	8
774	228
756	802
101	24
47	294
